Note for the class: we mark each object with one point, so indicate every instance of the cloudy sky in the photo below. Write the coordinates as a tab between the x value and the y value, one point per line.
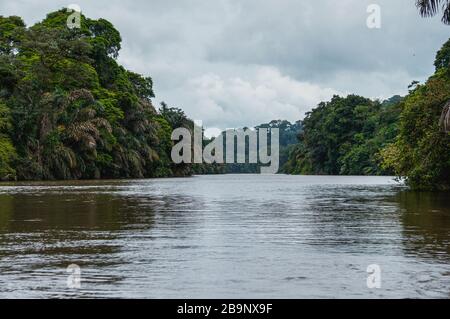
234	63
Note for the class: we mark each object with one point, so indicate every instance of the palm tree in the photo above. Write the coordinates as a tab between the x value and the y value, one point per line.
429	8
84	127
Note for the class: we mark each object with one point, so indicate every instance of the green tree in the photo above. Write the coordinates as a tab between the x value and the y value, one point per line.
421	152
72	111
344	137
7	150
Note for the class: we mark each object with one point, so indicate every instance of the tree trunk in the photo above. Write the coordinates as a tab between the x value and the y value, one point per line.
444	122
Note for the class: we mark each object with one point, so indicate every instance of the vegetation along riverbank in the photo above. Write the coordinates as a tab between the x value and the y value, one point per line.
69	110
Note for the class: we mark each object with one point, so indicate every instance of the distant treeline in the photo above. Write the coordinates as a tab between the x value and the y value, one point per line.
344	136
288	137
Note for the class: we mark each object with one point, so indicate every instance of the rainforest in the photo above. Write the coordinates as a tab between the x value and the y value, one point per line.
69	110
332	118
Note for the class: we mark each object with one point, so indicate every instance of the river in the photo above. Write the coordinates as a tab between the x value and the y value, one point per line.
224	236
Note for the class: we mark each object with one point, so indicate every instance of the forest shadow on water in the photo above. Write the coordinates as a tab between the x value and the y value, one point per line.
425	217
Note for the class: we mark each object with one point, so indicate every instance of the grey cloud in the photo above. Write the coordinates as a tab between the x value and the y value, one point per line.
234	63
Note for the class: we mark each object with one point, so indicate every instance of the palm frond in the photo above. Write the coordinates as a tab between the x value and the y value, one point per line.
428	8
81	94
79	131
102	123
446	15
62	161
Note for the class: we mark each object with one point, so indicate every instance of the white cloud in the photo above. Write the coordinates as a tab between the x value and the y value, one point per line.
235	63
251	99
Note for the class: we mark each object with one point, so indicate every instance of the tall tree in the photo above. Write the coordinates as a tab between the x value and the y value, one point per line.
69	110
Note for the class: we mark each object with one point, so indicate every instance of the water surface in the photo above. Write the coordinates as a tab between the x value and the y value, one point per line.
224	236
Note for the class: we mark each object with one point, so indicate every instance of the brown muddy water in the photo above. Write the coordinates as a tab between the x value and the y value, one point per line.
224	236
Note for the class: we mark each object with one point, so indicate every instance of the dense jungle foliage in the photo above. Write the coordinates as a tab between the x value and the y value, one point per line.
68	110
421	152
408	137
344	137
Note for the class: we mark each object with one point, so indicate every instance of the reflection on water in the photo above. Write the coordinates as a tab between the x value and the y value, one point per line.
226	236
426	218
